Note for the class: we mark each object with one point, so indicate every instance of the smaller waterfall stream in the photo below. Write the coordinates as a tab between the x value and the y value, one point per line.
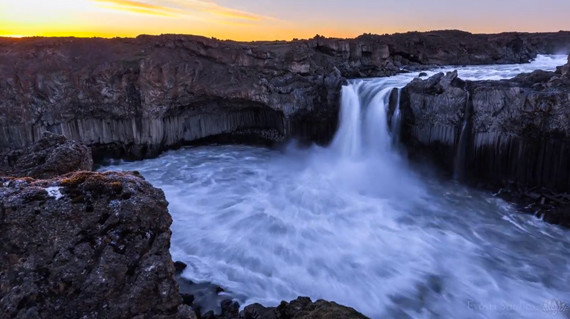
396	121
363	126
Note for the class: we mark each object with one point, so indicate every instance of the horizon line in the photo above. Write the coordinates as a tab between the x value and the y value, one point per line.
19	36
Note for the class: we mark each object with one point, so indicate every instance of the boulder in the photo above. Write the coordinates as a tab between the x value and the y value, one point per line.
49	157
301	308
86	245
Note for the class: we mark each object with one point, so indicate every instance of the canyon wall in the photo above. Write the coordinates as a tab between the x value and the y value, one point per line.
501	132
134	98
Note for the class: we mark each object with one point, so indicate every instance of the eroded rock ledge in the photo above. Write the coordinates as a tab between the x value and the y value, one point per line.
133	98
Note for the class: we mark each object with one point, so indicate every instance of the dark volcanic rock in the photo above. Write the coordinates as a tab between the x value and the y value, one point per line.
300	308
211	301
513	133
516	131
49	157
136	97
86	245
433	112
204	297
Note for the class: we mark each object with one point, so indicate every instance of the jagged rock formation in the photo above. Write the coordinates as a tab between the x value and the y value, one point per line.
51	156
300	308
502	132
212	302
137	97
86	245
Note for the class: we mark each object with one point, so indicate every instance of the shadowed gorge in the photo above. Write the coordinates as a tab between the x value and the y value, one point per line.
356	223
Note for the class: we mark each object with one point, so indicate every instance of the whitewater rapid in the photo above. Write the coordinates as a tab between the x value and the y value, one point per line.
353	223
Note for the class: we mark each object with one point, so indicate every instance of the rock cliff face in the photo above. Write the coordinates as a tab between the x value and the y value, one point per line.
137	97
505	132
49	157
86	245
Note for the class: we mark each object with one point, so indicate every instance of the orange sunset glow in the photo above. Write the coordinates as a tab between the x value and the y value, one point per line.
273	20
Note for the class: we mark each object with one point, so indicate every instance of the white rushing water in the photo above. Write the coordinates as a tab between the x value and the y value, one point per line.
354	224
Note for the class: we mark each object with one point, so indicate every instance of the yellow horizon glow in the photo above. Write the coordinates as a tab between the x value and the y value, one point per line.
211	18
130	18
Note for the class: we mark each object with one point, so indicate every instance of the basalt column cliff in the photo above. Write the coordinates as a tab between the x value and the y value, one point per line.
501	132
136	97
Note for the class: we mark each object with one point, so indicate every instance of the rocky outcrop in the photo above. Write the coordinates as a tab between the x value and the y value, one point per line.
300	308
511	134
51	156
86	245
213	302
136	97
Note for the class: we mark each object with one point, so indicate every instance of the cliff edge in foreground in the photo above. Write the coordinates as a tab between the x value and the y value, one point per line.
86	245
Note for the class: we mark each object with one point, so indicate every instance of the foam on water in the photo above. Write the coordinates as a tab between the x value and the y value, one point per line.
354	224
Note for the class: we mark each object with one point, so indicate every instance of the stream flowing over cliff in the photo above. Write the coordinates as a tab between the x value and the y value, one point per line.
356	223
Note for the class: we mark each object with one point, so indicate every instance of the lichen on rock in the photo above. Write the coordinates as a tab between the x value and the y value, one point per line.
101	250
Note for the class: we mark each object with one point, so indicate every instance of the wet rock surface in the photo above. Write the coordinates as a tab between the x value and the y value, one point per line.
133	98
299	308
512	134
543	203
206	299
49	157
86	245
210	301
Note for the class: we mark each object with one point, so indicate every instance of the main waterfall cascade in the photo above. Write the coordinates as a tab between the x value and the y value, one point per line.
353	224
363	119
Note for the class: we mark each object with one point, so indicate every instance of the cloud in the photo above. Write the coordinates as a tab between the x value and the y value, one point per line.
139	7
174	8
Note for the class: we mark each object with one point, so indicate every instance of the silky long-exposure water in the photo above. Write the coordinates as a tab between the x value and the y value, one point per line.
353	223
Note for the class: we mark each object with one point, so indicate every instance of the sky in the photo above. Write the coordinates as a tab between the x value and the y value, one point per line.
247	20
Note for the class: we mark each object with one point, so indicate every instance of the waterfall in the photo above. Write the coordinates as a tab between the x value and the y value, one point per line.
348	140
363	128
364	131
